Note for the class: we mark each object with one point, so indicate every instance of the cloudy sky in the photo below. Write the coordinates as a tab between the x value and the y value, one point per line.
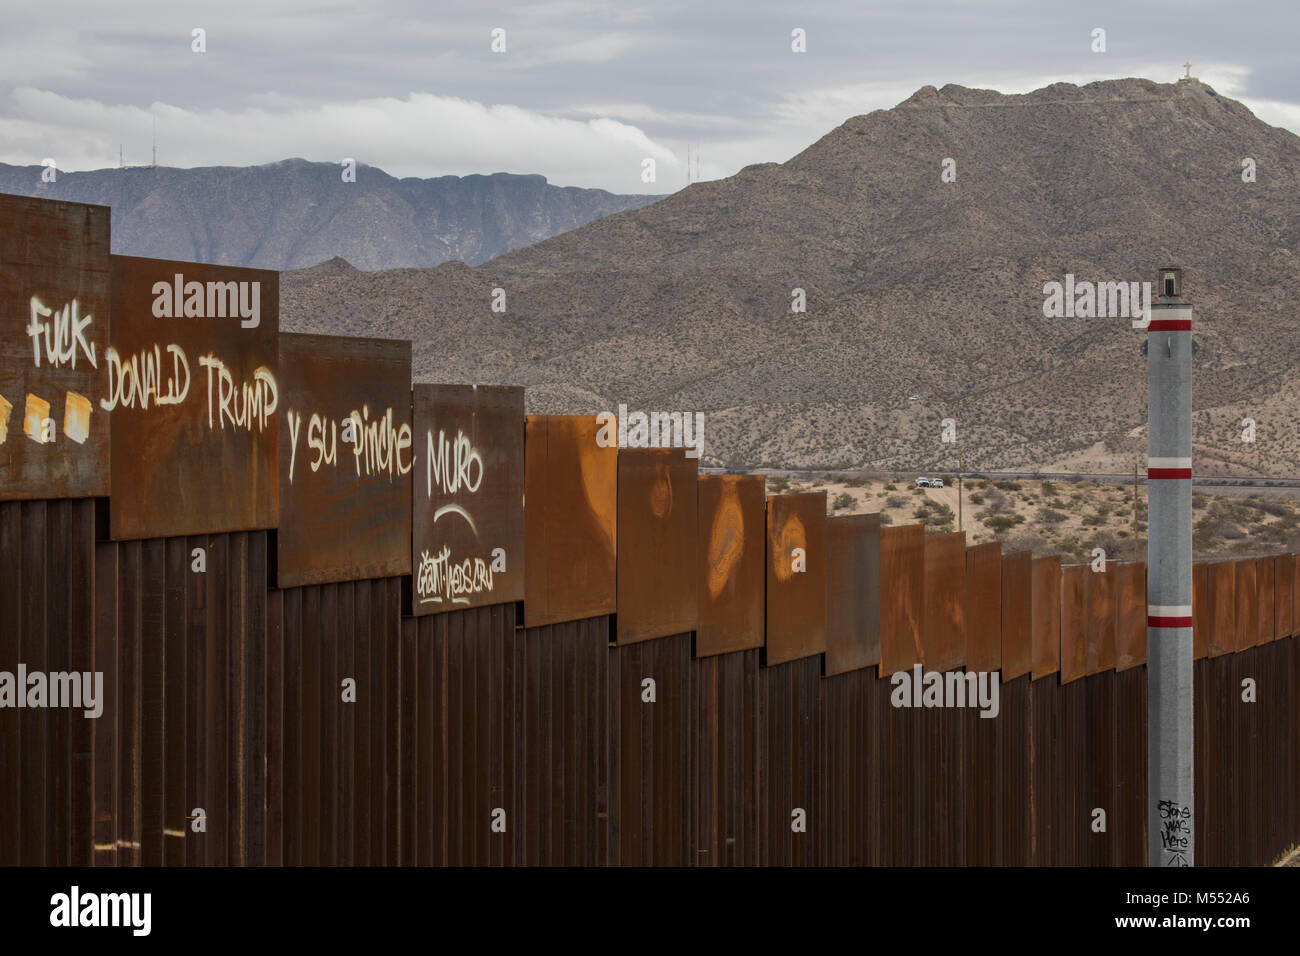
585	89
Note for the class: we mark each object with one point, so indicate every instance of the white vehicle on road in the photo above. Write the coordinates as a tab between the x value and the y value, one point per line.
936	482
923	482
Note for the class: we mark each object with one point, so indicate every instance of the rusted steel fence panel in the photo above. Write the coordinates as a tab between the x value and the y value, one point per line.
104	757
346	458
656	770
1247	769
725	816
275	728
1047	616
1222	637
1247	602
1017	614
984	607
467	521
903	780
944	621
1045	775
943	808
1201	612
1284	596
1130	615
1130	817
54	291
1295	595
850	831
902	597
1099	773
570	494
1267	588
852	592
1011	784
1071	759
658	544
194	393
49	627
1074	623
796	577
1207	725
732	552
1099	602
791	774
980	810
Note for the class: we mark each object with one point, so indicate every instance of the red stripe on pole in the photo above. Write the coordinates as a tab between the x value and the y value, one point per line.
1169	473
1169	621
1170	325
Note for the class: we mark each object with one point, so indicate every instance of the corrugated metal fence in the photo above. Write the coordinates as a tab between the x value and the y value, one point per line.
474	741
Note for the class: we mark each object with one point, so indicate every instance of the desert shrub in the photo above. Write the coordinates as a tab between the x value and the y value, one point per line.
1049	488
843	500
1050	516
977	499
1004	522
895	501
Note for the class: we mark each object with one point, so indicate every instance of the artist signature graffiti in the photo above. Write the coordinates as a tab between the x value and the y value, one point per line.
1175	831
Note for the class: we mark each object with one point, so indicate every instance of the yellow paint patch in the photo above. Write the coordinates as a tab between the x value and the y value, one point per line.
38	410
76	417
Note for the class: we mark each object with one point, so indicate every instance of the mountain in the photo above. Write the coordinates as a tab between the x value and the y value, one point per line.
294	214
914	287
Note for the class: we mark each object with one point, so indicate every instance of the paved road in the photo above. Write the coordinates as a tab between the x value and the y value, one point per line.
1208	481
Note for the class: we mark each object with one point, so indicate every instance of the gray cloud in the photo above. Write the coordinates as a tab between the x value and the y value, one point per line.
586	90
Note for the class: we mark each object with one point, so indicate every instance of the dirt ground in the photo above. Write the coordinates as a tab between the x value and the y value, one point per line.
1063	517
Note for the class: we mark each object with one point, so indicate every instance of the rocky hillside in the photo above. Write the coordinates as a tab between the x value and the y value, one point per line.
914	287
294	214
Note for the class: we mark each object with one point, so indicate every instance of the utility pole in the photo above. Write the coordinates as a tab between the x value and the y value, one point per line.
1170	820
960	525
